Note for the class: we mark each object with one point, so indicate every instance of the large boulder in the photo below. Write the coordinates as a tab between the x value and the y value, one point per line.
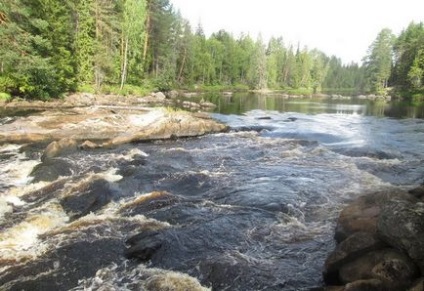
356	245
401	224
60	147
51	169
391	267
365	285
380	242
105	126
362	214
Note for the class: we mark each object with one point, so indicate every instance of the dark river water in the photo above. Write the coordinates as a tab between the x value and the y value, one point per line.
251	209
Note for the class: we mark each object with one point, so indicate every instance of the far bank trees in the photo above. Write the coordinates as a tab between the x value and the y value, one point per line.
50	47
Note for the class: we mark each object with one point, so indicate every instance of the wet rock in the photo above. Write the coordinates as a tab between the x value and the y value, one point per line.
60	147
143	245
87	197
191	105
417	192
235	273
366	152
209	105
401	224
89	145
51	170
101	124
362	214
45	193
173	281
350	249
159	96
63	267
391	267
365	285
83	99
149	202
418	285
173	94
329	288
257	128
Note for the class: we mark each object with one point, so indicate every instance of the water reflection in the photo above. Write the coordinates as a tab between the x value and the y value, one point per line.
239	103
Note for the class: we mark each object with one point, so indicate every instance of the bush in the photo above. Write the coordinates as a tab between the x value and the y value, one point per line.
86	88
5	96
6	84
127	90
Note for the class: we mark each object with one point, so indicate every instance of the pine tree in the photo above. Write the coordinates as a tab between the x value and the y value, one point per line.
379	61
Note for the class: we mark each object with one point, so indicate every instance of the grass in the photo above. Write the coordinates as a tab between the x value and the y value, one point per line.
5	96
216	88
116	90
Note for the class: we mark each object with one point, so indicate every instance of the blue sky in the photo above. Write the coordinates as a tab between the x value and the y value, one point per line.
336	27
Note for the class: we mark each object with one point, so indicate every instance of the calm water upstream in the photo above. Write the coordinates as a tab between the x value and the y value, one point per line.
251	209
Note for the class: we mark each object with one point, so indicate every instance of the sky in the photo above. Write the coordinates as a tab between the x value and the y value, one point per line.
344	28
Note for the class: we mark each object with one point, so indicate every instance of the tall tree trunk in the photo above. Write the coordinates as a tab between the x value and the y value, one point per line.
147	34
180	73
125	64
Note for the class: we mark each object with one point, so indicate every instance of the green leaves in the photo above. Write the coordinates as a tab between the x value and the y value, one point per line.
379	61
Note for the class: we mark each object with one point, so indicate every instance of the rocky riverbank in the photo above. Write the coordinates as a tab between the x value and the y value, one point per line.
380	246
88	121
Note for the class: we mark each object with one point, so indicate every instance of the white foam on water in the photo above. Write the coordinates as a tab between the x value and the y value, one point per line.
4	208
116	277
131	155
22	240
110	175
15	171
6	204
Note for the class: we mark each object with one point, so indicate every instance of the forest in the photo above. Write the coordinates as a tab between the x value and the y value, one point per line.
51	47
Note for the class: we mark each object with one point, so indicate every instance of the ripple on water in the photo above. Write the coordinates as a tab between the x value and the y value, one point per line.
252	208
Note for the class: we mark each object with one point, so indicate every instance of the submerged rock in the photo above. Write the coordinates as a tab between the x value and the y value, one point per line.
51	169
149	202
63	267
143	245
87	197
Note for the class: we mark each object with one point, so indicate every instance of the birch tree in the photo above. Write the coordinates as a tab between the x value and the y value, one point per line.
132	39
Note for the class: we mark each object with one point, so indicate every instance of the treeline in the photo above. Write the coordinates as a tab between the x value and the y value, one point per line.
50	47
397	62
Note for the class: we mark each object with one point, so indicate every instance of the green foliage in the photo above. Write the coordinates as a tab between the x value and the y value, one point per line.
126	91
5	96
417	98
133	19
379	61
35	50
86	88
50	47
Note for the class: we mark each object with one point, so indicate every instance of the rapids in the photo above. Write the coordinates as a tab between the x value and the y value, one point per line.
251	209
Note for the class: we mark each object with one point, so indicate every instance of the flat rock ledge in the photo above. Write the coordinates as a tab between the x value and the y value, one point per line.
380	243
105	126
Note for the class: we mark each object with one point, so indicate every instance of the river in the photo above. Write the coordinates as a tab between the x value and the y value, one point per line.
250	209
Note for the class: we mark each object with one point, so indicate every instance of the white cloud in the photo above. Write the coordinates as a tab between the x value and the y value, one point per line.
342	28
